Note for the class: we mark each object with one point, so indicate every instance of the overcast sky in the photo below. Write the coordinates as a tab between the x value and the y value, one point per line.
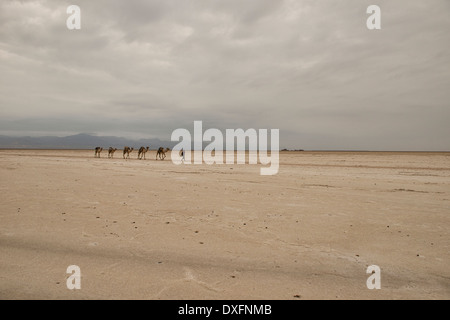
311	68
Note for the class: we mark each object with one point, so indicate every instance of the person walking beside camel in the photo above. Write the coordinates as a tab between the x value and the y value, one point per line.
182	155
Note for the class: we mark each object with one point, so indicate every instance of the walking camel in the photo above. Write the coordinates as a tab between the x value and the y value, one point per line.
161	153
111	151
97	152
142	151
127	151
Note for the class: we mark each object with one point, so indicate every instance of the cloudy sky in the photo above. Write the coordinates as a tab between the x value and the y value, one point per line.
310	68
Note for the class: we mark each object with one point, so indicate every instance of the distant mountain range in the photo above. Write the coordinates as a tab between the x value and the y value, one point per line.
79	141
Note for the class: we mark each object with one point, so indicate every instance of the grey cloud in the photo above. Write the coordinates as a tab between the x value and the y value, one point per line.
309	68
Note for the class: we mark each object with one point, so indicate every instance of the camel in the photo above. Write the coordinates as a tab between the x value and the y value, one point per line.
111	151
161	153
97	152
127	151
142	152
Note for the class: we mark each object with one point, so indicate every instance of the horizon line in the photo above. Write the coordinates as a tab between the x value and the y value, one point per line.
224	150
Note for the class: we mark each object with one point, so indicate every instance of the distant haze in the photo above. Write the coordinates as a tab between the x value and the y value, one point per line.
140	69
79	141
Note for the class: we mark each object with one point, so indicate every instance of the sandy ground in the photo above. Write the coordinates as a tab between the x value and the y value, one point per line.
154	230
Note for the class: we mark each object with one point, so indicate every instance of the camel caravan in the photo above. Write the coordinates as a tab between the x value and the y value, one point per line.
160	152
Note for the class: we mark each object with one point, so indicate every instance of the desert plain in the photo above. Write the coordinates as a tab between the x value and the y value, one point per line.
150	229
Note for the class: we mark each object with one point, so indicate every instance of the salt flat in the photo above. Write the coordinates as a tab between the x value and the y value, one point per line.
146	229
